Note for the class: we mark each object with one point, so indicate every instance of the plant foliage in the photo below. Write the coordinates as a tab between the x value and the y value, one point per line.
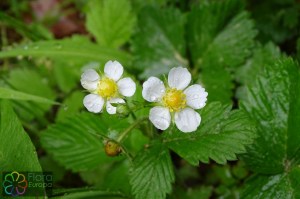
244	53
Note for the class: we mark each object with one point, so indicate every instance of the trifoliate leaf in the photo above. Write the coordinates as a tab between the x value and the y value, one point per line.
222	134
285	185
159	42
17	152
220	37
110	21
73	142
152	173
274	104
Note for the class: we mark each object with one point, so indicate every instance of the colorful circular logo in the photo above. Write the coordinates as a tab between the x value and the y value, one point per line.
14	184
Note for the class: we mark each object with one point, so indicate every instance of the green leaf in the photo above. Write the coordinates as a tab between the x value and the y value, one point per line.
32	82
159	42
95	177
273	102
219	89
232	45
74	143
136	141
206	22
152	173
220	37
284	185
66	77
67	49
71	106
262	56
7	93
117	177
17	152
110	21
111	176
222	134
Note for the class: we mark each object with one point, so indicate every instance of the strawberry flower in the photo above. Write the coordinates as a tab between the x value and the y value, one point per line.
106	89
176	102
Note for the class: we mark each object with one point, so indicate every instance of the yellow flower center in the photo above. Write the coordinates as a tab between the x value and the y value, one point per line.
174	99
107	88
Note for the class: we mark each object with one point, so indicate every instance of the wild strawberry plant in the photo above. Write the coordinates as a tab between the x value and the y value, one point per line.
153	99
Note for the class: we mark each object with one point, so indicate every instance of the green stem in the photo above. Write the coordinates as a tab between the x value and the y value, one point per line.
132	126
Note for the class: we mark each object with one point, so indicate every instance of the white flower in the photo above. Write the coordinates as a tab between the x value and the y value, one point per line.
176	102
107	89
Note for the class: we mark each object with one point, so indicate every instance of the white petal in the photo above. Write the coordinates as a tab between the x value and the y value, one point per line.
126	87
116	101
113	70
187	120
160	117
179	78
110	108
196	96
93	103
89	79
153	89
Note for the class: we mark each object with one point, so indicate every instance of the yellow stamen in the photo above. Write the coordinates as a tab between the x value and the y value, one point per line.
107	88
174	99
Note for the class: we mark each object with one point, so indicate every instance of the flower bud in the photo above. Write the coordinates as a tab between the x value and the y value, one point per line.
122	110
112	148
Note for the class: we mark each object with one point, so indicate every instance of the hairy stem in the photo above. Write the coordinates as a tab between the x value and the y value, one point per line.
130	128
